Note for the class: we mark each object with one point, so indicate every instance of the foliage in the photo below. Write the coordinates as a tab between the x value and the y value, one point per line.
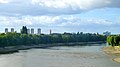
24	30
113	40
13	39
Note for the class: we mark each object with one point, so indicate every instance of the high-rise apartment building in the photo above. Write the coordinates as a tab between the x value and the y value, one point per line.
12	29
28	31
32	30
6	30
39	31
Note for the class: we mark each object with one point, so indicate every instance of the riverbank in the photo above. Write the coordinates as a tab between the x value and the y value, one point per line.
12	49
113	52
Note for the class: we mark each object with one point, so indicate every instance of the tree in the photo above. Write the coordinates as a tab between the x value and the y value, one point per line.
113	40
16	39
24	30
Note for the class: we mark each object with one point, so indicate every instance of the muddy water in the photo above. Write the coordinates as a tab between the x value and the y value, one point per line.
64	56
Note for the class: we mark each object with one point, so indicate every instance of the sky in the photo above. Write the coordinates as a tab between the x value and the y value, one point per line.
61	15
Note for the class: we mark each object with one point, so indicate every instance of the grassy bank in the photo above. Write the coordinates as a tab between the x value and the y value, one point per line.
113	52
13	49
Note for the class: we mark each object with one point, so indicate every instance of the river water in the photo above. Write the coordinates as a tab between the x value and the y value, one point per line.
62	56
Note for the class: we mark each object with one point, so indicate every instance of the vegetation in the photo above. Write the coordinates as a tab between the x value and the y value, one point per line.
24	30
113	40
16	39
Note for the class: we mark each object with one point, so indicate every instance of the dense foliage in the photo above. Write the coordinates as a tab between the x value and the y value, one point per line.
13	39
113	40
24	30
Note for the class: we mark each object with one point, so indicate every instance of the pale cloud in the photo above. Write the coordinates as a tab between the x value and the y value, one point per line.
4	1
29	20
76	21
73	4
52	7
62	13
53	21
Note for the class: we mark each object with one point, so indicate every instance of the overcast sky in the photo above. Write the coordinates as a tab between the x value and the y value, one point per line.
61	15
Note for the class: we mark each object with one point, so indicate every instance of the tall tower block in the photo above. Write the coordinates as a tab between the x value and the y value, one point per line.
32	30
50	31
39	31
12	29
6	30
28	31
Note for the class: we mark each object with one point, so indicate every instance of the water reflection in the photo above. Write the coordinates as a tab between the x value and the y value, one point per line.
87	47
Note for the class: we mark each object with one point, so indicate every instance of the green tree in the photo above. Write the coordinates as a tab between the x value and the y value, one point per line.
16	39
24	30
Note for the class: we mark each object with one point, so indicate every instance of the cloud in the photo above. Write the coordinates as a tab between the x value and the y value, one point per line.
3	1
52	7
67	23
36	21
72	4
59	13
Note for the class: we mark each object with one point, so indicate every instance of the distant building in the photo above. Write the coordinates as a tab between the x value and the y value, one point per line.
6	30
12	29
32	31
50	31
107	33
39	31
28	31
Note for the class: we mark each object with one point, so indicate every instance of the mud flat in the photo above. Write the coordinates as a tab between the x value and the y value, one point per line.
12	49
113	52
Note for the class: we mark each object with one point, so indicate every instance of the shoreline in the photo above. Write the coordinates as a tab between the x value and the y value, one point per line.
113	52
12	49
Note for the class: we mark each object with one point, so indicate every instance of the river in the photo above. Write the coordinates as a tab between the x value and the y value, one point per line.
62	56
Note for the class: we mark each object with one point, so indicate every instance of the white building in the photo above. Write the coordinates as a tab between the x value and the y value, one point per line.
39	31
28	31
32	30
12	29
6	30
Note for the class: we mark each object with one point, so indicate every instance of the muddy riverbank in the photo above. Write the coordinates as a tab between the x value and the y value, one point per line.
12	49
114	52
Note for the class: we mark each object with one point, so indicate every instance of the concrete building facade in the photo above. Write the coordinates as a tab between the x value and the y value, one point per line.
12	29
28	31
6	30
39	31
32	30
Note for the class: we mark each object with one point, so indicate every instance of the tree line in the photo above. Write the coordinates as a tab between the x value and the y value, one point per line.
23	38
113	40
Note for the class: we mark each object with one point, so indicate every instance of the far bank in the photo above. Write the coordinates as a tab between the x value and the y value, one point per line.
12	49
